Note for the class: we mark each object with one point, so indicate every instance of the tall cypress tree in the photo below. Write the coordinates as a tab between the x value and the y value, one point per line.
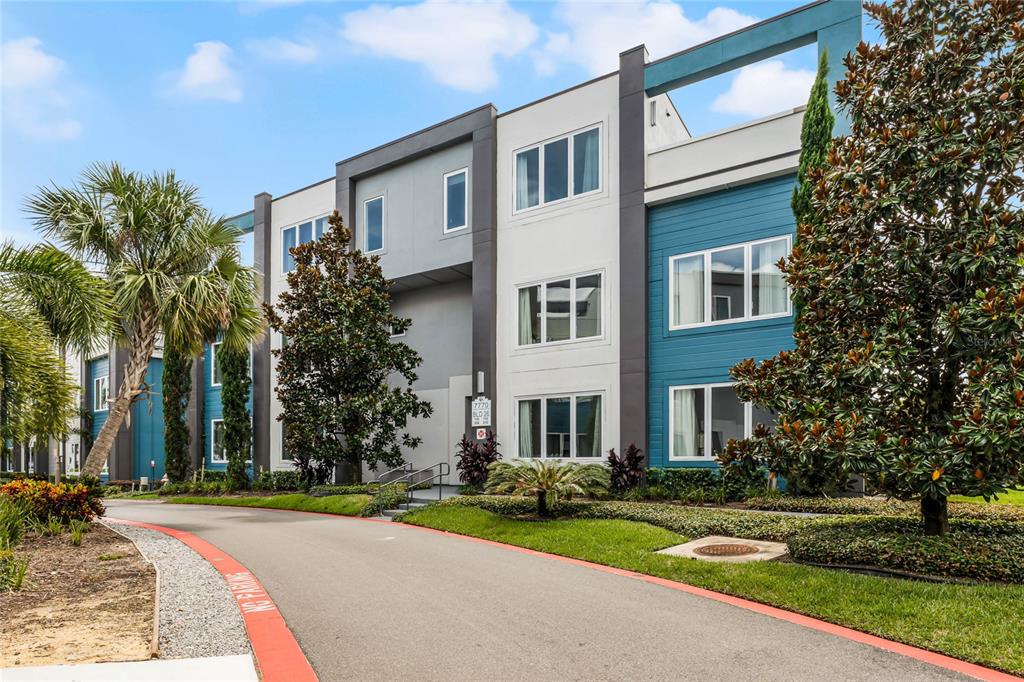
815	140
235	383
176	386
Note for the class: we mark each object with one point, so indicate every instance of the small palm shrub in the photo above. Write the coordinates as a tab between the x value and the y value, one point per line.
547	481
627	470
12	570
473	459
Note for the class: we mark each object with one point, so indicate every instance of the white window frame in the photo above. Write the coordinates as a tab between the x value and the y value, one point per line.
366	226
570	195
465	199
213	363
97	405
213	442
573	433
748	290
295	227
70	457
572	316
748	427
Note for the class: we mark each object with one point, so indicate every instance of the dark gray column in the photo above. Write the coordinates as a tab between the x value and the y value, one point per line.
632	251
120	460
261	379
485	256
195	411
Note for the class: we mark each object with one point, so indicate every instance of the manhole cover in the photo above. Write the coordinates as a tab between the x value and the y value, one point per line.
725	549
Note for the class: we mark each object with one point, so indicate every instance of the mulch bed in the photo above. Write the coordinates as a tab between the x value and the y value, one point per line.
76	607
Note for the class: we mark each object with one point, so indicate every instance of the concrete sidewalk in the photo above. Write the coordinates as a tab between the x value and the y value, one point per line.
219	668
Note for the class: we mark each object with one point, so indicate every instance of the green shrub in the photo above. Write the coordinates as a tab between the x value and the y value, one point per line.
61	501
12	570
877	507
13	519
356	489
76	536
701	485
277	481
388	497
211	488
973	549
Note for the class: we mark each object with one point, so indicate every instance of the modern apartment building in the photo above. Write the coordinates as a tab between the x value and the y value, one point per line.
582	261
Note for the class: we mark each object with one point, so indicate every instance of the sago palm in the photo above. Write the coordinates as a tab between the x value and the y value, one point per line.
173	269
548	481
49	302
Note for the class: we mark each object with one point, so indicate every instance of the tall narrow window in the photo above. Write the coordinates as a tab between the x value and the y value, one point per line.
688	290
563	310
558	432
527	178
455	200
100	394
588	306
728	418
215	373
586	161
727	284
529	428
287	244
769	287
556	312
556	170
688	422
588	426
529	315
374	221
320	228
217	441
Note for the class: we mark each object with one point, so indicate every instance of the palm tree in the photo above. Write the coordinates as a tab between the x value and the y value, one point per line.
50	302
547	480
173	269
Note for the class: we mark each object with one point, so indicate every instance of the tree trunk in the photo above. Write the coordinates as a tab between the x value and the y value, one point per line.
936	515
135	372
542	503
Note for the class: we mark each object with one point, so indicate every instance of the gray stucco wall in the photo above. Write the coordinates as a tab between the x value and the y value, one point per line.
441	331
414	238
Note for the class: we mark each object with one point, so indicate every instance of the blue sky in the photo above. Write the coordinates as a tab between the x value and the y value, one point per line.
245	97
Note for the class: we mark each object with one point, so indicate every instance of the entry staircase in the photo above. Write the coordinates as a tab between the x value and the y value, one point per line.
420	486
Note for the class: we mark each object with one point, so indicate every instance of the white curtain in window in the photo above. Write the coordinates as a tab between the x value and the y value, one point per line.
525	317
524	196
596	412
585	161
525	429
684	424
769	283
688	290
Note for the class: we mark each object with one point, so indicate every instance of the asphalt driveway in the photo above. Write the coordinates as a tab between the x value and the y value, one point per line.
375	601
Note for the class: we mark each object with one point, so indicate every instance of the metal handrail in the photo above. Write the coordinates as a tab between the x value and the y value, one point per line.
443	469
405	467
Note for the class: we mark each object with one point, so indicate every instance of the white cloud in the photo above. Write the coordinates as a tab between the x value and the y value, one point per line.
456	42
765	88
283	50
35	99
596	34
209	73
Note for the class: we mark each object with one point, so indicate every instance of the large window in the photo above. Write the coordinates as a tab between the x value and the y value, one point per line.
560	310
217	441
557	169
297	235
702	419
456	200
729	284
215	373
561	426
373	224
100	394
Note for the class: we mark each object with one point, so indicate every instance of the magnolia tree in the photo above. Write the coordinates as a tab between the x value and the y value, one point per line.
909	278
343	382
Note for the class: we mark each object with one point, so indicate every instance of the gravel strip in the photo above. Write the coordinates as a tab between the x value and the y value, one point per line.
198	614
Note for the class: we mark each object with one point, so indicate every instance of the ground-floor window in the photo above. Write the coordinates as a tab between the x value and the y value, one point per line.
703	418
217	441
560	426
74	459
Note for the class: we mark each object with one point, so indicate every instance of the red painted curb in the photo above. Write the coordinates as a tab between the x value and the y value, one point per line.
278	655
939	660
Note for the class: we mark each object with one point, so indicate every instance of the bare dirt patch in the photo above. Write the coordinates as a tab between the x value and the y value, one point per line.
79	604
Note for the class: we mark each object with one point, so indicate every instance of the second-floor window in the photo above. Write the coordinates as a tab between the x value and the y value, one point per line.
565	309
100	394
558	169
299	234
215	374
728	284
373	224
456	200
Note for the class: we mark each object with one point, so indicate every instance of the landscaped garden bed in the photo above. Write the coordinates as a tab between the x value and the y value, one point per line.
344	505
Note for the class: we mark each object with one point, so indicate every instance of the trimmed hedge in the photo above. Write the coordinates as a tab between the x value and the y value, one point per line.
197	488
690	522
973	549
277	481
877	507
354	489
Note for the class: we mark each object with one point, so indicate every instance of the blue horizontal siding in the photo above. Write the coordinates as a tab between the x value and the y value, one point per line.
704	355
213	408
100	367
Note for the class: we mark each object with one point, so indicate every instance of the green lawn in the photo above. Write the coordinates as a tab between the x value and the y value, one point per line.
345	505
1014	497
978	623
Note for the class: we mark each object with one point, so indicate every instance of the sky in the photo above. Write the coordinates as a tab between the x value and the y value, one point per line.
247	97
